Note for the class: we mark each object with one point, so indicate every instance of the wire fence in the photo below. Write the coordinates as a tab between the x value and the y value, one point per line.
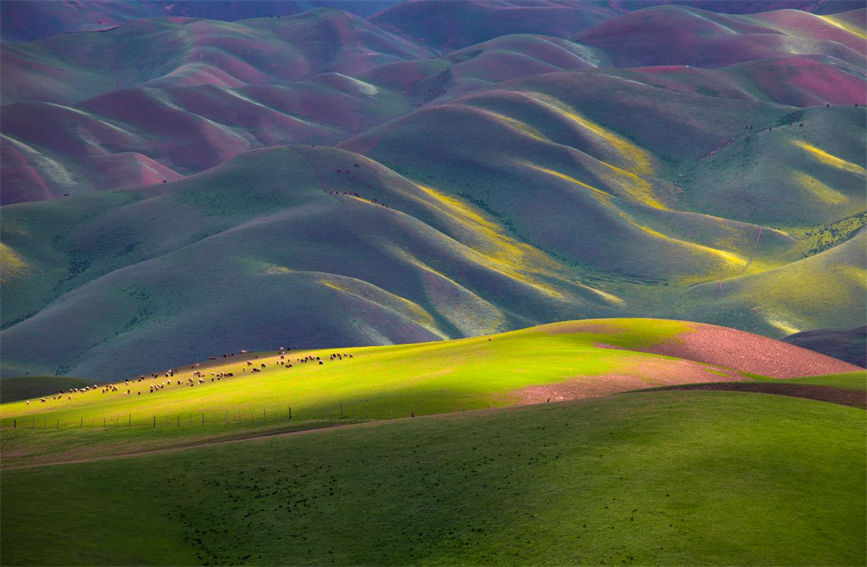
251	415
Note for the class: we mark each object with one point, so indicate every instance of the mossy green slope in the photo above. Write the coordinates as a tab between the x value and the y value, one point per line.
675	478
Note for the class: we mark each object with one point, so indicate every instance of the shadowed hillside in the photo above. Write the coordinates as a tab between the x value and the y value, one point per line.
382	259
452	24
489	177
846	344
668	35
185	51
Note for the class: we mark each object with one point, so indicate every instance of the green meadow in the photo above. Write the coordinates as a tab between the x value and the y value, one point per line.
375	383
416	454
673	478
282	391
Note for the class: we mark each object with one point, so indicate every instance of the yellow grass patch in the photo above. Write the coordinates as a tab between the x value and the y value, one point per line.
522	127
829	159
636	161
605	197
370	293
273	269
843	24
609	297
786	326
11	264
725	256
819	189
499	252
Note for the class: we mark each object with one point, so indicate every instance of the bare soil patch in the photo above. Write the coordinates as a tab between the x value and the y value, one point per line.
643	374
748	352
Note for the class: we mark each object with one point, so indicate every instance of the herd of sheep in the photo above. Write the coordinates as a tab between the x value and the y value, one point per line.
198	377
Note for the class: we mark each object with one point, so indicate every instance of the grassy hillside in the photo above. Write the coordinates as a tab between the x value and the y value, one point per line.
202	91
653	478
452	24
69	68
400	262
25	387
806	294
432	254
845	344
237	395
519	180
218	469
666	35
148	135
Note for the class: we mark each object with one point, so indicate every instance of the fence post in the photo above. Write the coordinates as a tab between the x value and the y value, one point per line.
290	412
155	422
179	421
264	417
129	423
103	422
15	423
81	423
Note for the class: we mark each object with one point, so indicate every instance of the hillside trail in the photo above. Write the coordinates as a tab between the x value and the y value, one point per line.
828	394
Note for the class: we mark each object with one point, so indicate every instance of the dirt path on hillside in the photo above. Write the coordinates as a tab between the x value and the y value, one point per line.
821	393
830	394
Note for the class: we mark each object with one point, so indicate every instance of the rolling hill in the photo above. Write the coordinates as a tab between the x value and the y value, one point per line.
669	35
240	172
589	481
218	262
510	275
845	344
297	386
574	474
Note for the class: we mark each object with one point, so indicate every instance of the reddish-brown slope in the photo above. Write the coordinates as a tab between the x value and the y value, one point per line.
748	352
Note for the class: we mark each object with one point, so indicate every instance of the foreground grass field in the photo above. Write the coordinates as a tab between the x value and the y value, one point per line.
217	471
658	477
